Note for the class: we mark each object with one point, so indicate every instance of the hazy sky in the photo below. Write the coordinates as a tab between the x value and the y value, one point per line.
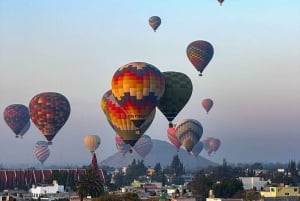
74	47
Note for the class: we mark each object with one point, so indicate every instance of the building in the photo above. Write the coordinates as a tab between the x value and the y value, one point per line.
46	191
250	183
280	193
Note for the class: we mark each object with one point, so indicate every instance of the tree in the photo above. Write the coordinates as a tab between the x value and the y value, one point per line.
177	166
89	184
201	185
227	188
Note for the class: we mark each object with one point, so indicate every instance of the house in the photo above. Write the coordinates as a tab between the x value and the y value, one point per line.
46	191
280	193
250	183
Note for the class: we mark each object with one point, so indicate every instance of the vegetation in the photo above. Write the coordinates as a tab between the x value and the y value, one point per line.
89	185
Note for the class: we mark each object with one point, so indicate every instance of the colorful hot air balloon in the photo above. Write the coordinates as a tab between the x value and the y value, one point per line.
104	100
200	53
154	22
178	90
189	132
220	1
42	151
123	126
197	148
173	138
92	142
17	118
143	146
137	87
49	112
122	147
207	104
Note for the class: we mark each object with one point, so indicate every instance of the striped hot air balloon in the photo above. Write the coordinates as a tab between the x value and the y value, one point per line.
173	138
17	118
137	87
189	132
42	151
49	112
122	147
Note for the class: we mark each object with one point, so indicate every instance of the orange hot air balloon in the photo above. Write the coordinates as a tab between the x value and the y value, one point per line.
123	126
154	22
137	87
200	53
49	111
207	104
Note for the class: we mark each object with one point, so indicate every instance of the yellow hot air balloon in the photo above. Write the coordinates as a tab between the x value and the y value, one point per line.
92	142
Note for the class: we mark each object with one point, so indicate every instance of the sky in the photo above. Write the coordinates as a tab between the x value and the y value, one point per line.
75	47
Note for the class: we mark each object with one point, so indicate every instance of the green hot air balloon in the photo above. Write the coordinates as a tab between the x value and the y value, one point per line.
178	90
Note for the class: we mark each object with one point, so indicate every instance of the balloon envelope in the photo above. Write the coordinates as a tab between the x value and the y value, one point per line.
137	87
49	112
200	53
173	138
189	132
207	104
122	147
122	125
178	90
197	148
92	142
17	118
42	151
143	146
154	22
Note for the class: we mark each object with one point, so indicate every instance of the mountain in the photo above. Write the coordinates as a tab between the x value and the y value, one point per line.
162	152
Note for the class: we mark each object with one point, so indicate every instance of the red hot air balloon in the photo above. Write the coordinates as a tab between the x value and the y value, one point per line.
207	104
137	87
122	147
200	53
49	112
173	138
17	118
154	22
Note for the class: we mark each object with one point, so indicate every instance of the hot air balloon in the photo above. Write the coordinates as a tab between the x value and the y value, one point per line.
104	100
49	111
197	148
220	1
17	118
137	87
122	147
211	144
173	138
143	146
92	142
123	126
42	151
178	90
207	104
200	53
154	22
189	132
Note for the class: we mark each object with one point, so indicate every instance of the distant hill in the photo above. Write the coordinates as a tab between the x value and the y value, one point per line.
163	153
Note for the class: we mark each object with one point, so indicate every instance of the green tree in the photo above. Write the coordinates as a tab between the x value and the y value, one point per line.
201	185
227	188
134	170
89	184
177	166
